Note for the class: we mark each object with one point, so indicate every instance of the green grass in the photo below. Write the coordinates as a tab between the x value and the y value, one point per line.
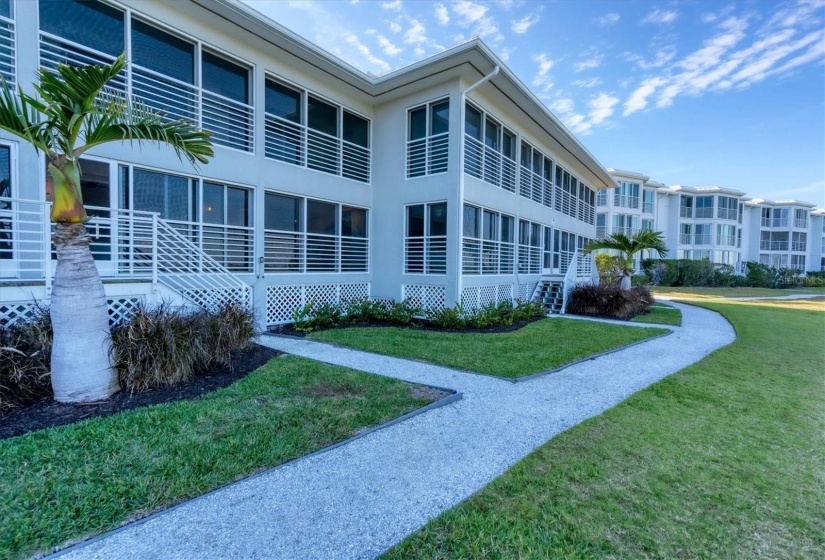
660	314
70	482
694	293
539	346
725	459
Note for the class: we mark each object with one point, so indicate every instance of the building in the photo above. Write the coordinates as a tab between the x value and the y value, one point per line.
444	182
786	234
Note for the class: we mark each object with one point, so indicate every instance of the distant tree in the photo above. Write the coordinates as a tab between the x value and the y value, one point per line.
629	247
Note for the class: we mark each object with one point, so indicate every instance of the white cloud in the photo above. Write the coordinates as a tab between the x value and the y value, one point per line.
416	34
365	52
661	16
395	27
393	6
387	46
474	15
542	78
589	83
521	26
587	64
565	109
608	19
662	57
441	14
638	99
601	108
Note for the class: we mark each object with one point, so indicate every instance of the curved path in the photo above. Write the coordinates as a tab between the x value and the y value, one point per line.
359	499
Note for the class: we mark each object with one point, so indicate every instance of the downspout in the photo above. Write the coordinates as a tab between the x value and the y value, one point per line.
460	209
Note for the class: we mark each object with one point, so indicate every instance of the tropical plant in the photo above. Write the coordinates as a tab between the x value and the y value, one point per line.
629	247
74	111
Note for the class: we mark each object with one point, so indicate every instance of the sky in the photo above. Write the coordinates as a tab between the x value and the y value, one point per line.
695	92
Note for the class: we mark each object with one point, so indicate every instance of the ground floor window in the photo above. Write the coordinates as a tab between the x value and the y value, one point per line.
425	239
529	248
488	244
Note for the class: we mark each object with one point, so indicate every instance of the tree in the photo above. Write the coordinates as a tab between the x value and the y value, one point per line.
75	110
628	247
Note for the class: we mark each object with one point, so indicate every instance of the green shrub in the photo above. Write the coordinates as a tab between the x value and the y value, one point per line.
688	272
610	301
610	268
526	310
448	317
25	361
639	280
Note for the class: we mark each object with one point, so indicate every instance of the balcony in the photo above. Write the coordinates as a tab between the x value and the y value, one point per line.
487	257
7	50
485	163
773	245
427	156
298	252
425	255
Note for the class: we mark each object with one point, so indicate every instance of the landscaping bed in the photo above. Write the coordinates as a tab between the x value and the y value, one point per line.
47	413
414	324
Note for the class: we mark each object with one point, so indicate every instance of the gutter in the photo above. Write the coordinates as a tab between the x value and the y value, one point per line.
460	206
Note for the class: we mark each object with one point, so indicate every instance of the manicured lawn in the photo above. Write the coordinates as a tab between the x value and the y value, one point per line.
70	482
721	460
539	346
660	314
701	293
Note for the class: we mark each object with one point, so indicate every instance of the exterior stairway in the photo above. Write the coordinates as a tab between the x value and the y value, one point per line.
551	294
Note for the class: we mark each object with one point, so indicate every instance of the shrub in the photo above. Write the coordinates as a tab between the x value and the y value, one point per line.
610	268
229	330
448	317
526	310
25	361
639	280
687	272
610	301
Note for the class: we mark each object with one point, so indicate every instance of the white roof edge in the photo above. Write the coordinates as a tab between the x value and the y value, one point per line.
781	202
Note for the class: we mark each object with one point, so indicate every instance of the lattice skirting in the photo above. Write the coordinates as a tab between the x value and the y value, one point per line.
525	291
283	301
214	299
120	309
473	297
425	297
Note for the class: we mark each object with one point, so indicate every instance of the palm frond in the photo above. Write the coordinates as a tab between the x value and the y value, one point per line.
25	117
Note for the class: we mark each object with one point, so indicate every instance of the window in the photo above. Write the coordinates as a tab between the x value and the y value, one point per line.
728	208
726	235
226	101
601	225
647	202
626	195
425	245
647	225
322	119
683	254
488	245
530	252
700	255
725	257
702	234
427	142
284	141
800	218
602	200
283	233
799	241
686	234
625	224
227	238
489	149
685	206
798	262
564	246
6	190
172	196
704	206
92	24
162	52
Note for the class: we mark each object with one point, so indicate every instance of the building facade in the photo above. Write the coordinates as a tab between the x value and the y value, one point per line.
444	182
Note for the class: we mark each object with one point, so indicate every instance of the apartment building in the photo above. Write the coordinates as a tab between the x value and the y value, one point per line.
444	182
782	234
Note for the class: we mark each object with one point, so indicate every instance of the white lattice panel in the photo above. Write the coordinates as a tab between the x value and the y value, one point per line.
473	297
525	291
425	297
120	309
13	313
213	300
283	301
504	292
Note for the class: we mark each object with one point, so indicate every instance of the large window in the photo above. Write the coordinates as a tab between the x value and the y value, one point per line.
626	195
564	246
799	241
427	138
308	235
92	24
425	243
776	217
647	202
728	208
704	206
601	225
685	206
726	235
488	242
529	249
602	199
489	149
686	234
800	218
625	224
702	234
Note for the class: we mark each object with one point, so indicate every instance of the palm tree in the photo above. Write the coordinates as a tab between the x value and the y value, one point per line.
74	111
628	247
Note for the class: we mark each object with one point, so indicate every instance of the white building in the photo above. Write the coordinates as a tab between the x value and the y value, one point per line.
783	234
327	183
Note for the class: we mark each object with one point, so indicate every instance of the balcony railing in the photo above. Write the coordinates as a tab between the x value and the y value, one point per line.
773	245
425	255
685	238
727	214
801	224
625	201
799	246
485	163
529	259
297	252
701	239
231	123
7	50
686	212
781	222
481	256
427	156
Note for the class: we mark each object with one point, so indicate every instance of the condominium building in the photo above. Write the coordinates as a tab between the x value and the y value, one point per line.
444	182
785	234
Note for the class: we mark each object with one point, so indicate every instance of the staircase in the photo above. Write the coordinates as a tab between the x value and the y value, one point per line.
551	294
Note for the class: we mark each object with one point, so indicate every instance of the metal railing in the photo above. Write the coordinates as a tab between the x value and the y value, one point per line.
686	211
701	239
530	259
799	246
132	244
425	255
625	201
482	256
704	212
489	165
231	122
298	252
773	245
801	224
727	213
298	145
686	239
427	156
7	51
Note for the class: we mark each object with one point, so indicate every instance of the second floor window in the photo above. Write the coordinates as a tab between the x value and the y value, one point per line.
685	206
427	139
704	207
647	202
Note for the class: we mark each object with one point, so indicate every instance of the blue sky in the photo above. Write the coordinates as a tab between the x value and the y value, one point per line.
689	92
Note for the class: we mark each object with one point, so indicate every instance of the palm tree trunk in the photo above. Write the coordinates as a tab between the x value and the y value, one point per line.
81	368
626	283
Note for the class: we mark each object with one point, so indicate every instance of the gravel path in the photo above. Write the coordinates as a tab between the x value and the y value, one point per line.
361	498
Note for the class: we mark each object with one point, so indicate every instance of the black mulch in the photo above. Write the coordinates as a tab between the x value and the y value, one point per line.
289	330
47	413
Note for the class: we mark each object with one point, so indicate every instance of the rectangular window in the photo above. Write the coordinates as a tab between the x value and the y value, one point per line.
530	248
685	206
172	196
228	236
6	225
647	206
728	208
726	235
162	52
686	234
704	207
226	102
425	244
626	195
602	200
601	225
647	225
94	25
702	234
800	218
427	143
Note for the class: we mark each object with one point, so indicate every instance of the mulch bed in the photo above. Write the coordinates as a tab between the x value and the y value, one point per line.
46	413
289	330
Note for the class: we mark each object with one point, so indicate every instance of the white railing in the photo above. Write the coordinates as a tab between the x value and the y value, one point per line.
686	211
704	212
582	271
427	156
802	224
425	255
773	245
131	244
296	144
231	123
7	51
727	213
685	238
799	246
534	187
489	165
625	201
529	259
298	252
487	257
701	239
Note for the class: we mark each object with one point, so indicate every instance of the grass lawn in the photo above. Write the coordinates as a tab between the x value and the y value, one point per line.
70	482
721	460
539	346
660	314
702	293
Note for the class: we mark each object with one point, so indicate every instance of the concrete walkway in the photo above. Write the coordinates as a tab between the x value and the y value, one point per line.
359	499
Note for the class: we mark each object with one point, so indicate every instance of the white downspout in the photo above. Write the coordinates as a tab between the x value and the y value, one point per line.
460	209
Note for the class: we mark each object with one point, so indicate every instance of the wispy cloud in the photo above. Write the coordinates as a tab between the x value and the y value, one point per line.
475	16
394	6
662	57
588	64
638	99
389	48
416	33
588	83
601	108
542	79
442	16
365	52
521	26
661	16
608	19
